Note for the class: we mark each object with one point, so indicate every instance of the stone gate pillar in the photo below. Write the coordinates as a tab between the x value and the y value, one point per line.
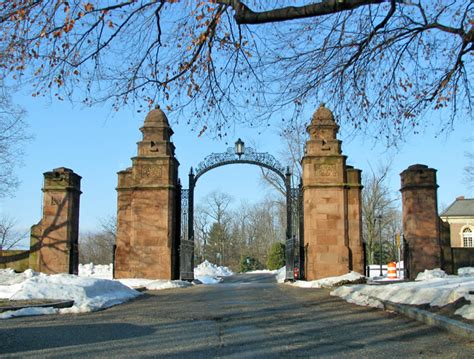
148	196
420	218
325	205
53	247
354	219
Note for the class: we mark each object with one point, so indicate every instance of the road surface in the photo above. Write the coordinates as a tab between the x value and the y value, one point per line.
247	316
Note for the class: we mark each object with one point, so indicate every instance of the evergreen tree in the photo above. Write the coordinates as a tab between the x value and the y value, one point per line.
276	256
248	263
216	246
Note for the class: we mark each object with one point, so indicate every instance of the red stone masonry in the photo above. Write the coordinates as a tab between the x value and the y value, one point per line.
420	218
148	195
331	200
54	240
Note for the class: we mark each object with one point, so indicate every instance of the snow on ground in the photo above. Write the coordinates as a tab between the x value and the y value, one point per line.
467	271
266	271
206	272
433	287
328	282
89	294
92	290
209	273
96	270
281	274
431	274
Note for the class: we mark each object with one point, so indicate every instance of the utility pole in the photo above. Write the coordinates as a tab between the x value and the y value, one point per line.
379	218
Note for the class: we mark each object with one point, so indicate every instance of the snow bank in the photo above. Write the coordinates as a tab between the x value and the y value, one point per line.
260	271
430	274
435	291
210	269
11	282
330	281
104	271
9	276
153	284
466	271
206	272
28	312
167	284
281	275
209	273
89	294
92	290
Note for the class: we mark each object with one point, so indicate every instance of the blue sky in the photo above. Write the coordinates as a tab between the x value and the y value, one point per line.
96	143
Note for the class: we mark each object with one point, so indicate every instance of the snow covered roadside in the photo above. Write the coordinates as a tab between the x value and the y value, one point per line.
280	275
432	287
209	273
206	273
330	282
92	290
89	294
104	271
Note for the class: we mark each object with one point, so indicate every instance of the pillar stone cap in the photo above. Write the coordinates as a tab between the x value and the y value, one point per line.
156	117
63	170
323	124
418	167
323	115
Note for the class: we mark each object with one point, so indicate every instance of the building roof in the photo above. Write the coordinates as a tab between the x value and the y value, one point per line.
460	208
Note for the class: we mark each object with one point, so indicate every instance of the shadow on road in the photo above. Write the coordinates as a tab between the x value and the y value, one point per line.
55	336
251	278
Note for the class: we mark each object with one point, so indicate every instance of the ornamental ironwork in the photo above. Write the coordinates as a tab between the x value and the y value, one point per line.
294	209
184	213
250	156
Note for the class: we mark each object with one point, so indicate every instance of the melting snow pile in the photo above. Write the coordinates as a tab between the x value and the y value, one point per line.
96	270
331	281
466	272
92	290
281	275
433	287
431	274
209	273
105	271
89	294
153	284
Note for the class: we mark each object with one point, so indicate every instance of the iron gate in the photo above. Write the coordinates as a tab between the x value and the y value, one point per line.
294	240
186	248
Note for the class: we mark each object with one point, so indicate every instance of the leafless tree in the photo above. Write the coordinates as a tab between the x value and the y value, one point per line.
469	168
216	209
13	137
293	137
97	247
10	236
226	234
380	64
201	232
381	219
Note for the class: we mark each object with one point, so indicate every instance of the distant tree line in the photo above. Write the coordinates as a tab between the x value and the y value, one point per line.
238	237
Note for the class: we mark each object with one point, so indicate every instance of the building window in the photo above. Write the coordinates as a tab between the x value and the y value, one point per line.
467	237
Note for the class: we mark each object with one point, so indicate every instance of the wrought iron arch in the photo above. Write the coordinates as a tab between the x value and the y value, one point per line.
239	155
250	156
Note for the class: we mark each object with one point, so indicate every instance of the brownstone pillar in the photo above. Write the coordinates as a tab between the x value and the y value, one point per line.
420	218
325	200
147	230
53	247
354	213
